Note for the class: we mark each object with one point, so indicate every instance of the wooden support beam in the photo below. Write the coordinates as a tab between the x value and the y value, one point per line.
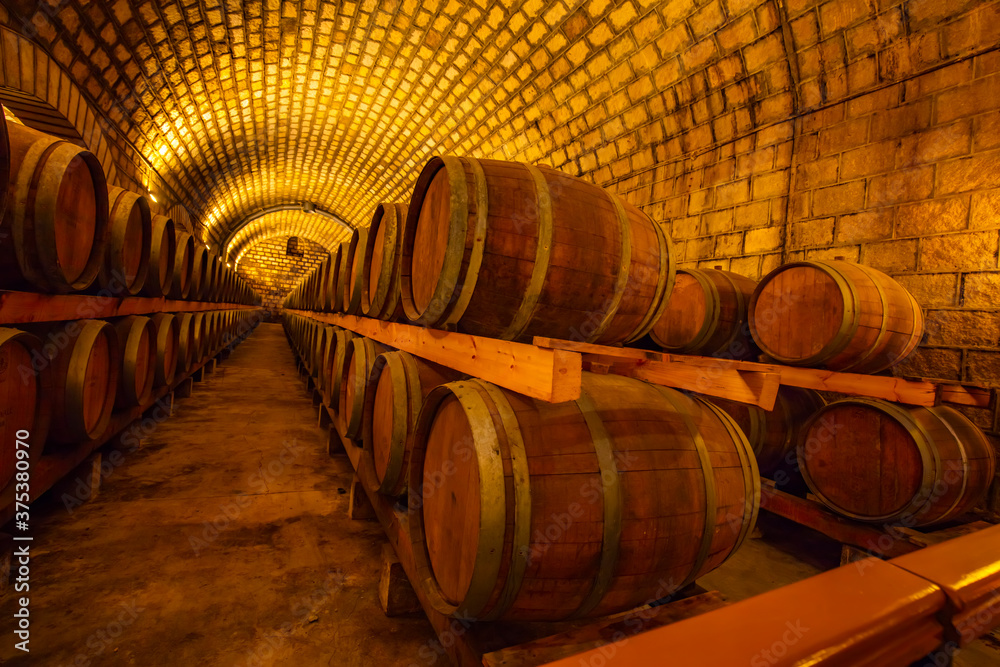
809	513
359	507
717	377
324	417
185	388
394	590
546	374
80	485
27	307
335	446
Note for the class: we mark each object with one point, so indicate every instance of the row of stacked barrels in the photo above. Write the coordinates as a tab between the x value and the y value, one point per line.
64	230
513	251
562	258
61	382
470	457
531	510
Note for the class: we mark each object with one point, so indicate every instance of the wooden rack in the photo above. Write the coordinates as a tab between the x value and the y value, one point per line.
532	644
550	369
29	307
499	643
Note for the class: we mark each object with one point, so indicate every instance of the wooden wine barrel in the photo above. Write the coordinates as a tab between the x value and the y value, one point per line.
836	314
359	360
162	256
180	287
137	342
333	286
548	511
395	391
339	345
707	315
126	259
323	359
167	348
188	351
876	461
85	363
200	280
55	228
199	331
773	435
381	262
351	277
24	391
558	256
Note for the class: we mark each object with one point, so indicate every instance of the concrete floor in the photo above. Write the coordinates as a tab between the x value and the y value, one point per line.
225	540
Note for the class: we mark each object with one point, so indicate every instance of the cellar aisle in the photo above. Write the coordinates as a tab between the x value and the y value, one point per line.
139	576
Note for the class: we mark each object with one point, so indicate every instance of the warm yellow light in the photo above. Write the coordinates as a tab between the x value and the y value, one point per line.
152	197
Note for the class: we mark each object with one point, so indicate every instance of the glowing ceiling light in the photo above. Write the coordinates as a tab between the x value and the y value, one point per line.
152	197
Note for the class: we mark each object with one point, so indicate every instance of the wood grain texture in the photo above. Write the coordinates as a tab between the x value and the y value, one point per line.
872	460
707	315
614	494
396	389
510	251
162	256
836	314
126	257
382	262
137	346
55	226
24	396
551	375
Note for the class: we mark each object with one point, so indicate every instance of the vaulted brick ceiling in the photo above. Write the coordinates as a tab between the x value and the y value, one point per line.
242	106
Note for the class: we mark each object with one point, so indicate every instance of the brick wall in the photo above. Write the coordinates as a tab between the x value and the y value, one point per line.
273	273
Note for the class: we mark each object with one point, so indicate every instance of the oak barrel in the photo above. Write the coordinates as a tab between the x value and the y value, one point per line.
200	280
512	251
24	393
395	391
774	434
333	284
162	253
85	362
359	359
381	262
137	342
334	365
352	278
548	511
187	343
55	227
180	287
707	315
836	314
167	348
877	461
126	258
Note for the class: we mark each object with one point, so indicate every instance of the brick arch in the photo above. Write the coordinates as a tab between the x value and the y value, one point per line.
314	227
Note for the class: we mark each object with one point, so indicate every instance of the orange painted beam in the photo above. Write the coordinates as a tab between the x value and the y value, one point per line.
866	614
